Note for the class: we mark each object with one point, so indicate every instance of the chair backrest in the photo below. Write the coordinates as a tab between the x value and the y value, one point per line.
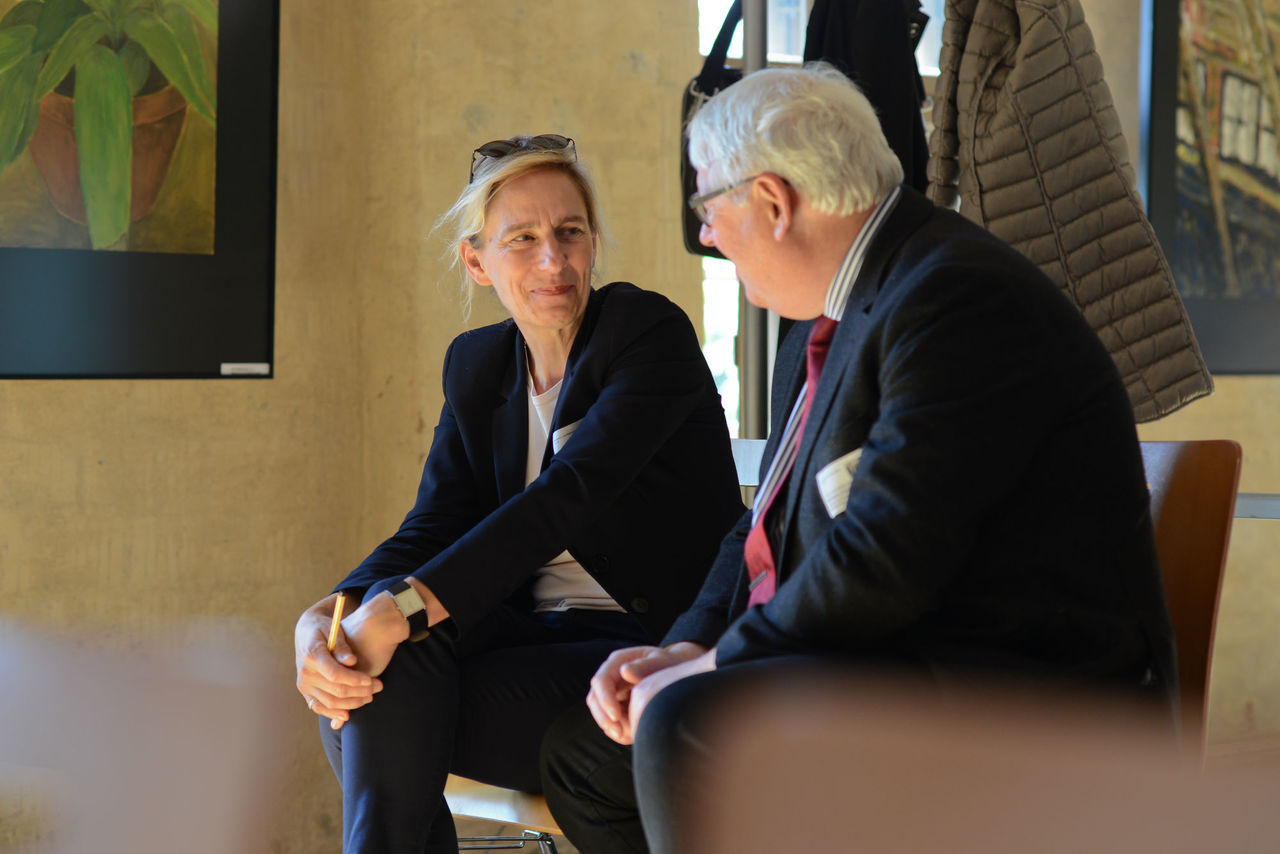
1193	491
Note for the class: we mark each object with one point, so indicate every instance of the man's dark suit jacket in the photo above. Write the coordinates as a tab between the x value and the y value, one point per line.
997	518
640	491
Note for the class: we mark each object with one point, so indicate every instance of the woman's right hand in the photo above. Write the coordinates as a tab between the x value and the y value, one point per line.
328	681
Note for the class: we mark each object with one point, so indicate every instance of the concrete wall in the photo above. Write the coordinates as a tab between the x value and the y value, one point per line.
1245	690
124	505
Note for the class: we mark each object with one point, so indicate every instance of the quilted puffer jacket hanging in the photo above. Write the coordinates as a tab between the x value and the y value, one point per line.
1026	134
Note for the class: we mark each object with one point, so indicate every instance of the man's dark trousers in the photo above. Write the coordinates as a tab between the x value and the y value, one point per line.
608	798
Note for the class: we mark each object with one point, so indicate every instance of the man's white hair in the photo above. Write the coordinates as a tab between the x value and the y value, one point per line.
810	125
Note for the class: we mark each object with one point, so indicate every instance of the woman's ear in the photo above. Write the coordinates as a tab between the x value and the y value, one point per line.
472	261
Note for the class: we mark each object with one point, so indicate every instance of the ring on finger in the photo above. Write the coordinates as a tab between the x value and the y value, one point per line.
311	703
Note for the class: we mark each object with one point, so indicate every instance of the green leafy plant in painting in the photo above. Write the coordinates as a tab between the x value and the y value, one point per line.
103	53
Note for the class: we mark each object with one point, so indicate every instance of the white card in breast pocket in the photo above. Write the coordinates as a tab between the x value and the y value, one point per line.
834	480
562	435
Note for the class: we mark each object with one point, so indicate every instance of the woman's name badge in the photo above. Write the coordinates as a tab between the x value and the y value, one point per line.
562	435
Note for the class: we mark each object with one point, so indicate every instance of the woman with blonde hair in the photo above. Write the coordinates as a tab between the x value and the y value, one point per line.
577	488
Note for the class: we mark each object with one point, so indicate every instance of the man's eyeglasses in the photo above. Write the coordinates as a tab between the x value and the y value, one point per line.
499	148
699	202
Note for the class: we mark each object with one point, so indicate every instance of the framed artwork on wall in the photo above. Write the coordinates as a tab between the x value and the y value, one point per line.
1210	169
137	187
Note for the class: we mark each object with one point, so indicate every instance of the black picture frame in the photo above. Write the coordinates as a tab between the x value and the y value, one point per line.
1232	297
110	314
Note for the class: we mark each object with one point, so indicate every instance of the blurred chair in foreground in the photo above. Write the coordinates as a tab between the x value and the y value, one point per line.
841	765
160	747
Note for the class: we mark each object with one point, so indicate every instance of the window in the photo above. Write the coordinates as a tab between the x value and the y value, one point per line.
720	332
1238	139
785	29
785	33
787	22
1268	159
930	45
1185	127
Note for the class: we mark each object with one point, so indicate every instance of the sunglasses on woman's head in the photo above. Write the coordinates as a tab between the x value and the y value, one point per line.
500	148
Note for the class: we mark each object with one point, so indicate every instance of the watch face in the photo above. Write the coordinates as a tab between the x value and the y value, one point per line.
407	598
412	607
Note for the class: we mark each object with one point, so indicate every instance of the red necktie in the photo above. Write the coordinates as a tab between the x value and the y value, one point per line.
757	550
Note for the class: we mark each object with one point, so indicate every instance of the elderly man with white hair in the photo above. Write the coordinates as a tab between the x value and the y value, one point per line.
952	488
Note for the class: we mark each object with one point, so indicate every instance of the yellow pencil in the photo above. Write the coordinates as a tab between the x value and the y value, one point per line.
337	619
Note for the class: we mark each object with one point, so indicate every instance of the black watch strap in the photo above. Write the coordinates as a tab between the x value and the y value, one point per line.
413	608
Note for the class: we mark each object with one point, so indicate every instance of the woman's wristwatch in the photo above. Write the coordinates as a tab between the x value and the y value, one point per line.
411	605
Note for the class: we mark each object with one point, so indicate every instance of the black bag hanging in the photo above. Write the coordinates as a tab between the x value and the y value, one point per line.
873	43
714	77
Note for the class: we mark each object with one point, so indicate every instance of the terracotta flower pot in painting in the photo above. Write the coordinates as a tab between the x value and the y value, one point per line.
79	75
158	119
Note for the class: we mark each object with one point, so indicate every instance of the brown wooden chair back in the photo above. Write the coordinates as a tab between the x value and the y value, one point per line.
1193	492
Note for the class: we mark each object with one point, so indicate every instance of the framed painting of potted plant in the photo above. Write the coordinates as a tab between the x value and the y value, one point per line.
1211	170
137	187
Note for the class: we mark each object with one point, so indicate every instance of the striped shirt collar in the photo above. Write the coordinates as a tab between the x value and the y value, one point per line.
842	285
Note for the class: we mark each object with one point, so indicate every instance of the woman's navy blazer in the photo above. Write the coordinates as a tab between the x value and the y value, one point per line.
638	481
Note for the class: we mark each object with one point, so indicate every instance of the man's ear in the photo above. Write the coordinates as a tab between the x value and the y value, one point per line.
475	266
781	200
